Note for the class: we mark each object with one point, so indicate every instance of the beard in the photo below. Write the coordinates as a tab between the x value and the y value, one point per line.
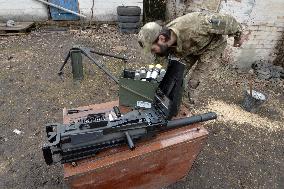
164	50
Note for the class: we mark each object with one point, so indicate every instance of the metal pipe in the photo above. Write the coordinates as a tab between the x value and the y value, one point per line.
109	55
101	66
62	8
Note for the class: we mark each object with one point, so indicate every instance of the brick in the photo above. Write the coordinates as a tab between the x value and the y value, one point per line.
271	24
267	41
264	28
249	46
272	28
279	24
252	42
263	32
259	46
280	17
262	42
253	28
277	34
267	46
268	35
263	51
263	23
260	37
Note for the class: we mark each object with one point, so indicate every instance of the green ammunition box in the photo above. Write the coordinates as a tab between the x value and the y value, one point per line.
133	91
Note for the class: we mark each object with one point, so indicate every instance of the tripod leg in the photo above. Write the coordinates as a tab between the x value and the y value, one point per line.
64	63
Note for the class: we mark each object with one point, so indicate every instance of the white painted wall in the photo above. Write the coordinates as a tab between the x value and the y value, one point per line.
105	10
22	10
264	21
31	10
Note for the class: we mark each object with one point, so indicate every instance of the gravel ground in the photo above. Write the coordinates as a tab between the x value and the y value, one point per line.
244	150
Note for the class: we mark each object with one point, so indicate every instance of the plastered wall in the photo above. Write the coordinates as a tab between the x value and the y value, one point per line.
32	10
264	25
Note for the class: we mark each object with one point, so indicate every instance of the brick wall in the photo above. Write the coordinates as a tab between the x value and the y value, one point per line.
263	21
279	52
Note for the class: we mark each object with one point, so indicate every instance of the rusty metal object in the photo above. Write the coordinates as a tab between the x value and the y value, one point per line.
153	164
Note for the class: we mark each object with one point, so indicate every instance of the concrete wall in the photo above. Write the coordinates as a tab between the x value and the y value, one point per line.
105	10
177	8
31	10
22	10
263	21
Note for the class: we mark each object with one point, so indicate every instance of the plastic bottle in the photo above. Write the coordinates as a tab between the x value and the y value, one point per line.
149	72
137	75
161	75
155	72
143	72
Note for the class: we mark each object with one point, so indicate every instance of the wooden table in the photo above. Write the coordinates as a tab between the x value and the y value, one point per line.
154	163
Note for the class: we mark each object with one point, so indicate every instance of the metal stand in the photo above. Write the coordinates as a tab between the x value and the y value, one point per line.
76	61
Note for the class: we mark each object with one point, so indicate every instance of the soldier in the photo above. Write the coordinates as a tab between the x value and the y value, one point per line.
195	37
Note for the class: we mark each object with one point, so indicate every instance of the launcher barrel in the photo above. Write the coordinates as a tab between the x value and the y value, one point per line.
191	120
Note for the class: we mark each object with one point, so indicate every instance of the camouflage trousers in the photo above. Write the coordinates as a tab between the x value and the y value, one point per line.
206	60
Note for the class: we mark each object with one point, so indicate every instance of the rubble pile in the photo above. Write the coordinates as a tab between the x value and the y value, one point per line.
267	71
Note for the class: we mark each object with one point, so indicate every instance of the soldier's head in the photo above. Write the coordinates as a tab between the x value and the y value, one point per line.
153	38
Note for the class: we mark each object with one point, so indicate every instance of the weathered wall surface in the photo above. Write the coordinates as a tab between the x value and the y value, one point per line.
263	21
265	26
22	10
31	10
279	52
105	10
177	8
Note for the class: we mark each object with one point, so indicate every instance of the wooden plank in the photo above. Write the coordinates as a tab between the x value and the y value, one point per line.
12	34
19	26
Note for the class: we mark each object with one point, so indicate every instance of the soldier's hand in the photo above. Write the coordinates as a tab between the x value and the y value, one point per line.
238	42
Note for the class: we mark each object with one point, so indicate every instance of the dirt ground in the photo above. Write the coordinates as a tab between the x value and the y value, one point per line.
244	150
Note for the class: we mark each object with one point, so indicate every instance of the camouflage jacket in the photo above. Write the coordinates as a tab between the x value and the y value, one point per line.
195	31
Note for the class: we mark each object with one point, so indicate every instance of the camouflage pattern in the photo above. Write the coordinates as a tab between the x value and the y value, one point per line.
195	31
205	62
201	39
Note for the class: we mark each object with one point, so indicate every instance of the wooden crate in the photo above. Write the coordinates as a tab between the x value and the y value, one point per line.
154	163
